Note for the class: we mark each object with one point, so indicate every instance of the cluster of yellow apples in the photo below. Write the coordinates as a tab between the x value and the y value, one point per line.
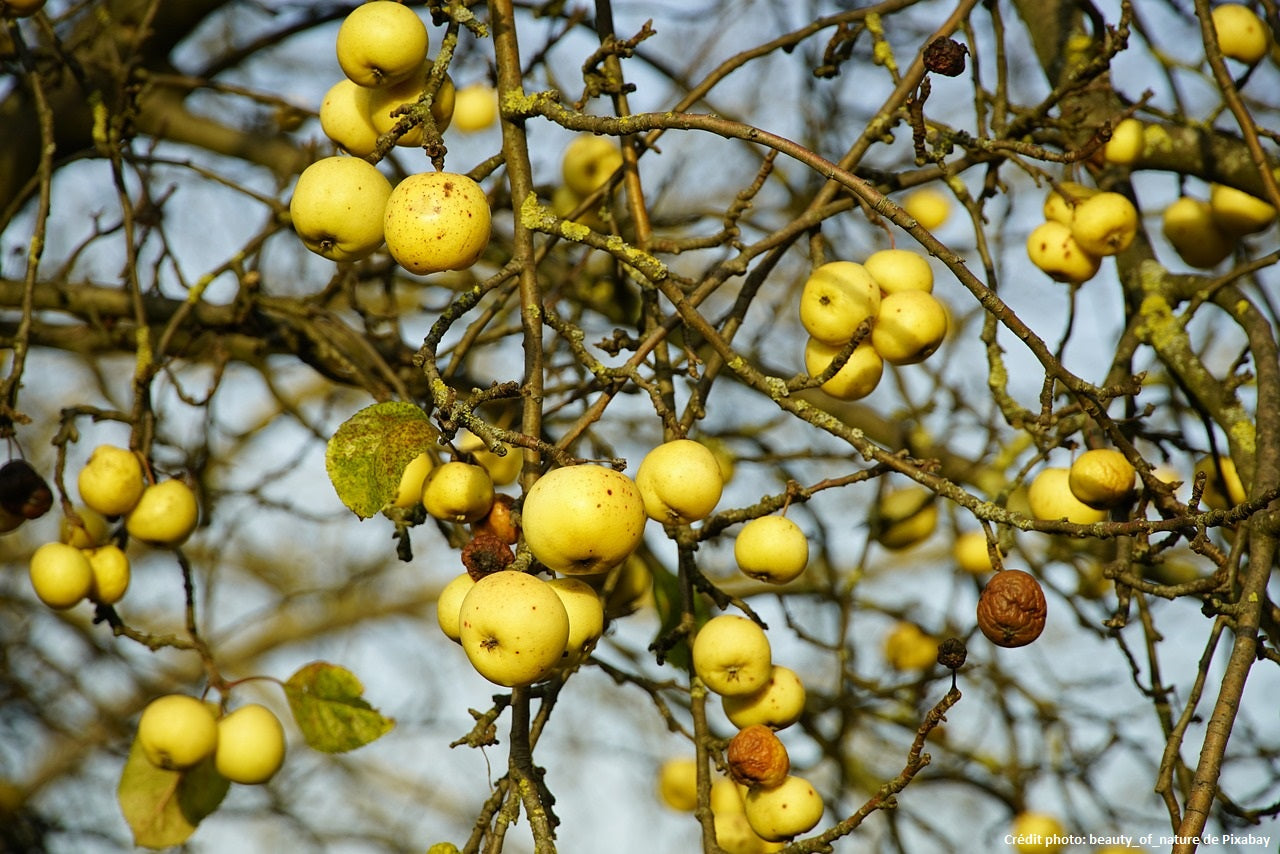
892	291
733	658
1097	480
1205	232
1082	226
85	563
678	789
342	207
177	732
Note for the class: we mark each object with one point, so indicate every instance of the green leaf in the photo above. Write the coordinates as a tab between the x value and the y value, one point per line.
163	807
368	454
327	704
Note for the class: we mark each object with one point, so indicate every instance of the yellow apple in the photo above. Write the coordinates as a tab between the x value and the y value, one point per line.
734	834
165	515
1050	498
679	482
338	206
589	161
60	575
928	206
910	327
1189	227
344	118
457	492
908	647
409	490
385	101
475	107
905	517
251	745
777	704
971	554
513	628
726	797
1237	212
625	588
678	783
111	481
731	655
449	605
836	298
772	549
503	469
1242	35
90	531
380	43
111	573
586	616
1101	478
1223	488
899	270
436	221
583	519
176	732
1128	139
1037	833
1061	201
1104	224
858	377
781	812
1054	250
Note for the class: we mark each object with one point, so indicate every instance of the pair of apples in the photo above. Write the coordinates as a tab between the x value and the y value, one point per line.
177	732
1082	226
892	290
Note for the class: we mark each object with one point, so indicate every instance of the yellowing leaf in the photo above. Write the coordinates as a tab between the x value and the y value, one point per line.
162	807
370	450
328	705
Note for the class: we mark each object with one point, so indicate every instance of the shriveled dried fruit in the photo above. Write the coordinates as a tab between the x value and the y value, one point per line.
23	492
757	757
486	554
952	653
945	56
1012	608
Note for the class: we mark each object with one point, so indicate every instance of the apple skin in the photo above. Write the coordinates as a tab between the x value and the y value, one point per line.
1189	227
409	491
111	574
251	745
910	327
475	107
457	492
436	221
60	575
1128	140
1101	478
513	627
337	208
92	529
928	206
971	554
856	379
345	118
380	43
908	647
586	617
783	811
905	517
731	655
1238	213
1032	832
771	549
899	270
589	161
836	298
1104	224
449	605
679	481
583	519
1050	499
111	481
678	783
177	731
1053	249
1060	202
383	102
1221	492
1241	33
165	515
777	704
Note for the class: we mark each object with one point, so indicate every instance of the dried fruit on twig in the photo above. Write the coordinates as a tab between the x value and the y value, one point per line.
757	757
1012	608
952	653
23	492
486	554
945	56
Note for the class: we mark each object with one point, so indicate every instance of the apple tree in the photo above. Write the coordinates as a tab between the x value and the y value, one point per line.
727	426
